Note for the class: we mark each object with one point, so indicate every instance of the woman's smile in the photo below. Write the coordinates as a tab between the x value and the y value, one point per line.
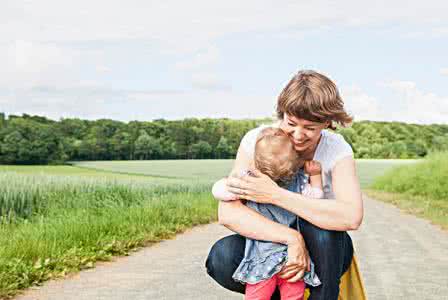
300	143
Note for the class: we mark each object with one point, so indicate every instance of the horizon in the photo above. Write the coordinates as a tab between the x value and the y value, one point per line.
211	118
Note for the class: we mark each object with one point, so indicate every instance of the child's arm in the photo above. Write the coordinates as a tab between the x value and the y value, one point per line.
315	188
220	191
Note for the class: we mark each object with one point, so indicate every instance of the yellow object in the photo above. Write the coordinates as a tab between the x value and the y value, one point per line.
351	286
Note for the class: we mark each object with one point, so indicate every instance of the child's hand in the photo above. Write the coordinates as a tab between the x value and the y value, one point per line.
313	167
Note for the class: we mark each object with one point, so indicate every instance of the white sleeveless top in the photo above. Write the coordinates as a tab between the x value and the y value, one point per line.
332	147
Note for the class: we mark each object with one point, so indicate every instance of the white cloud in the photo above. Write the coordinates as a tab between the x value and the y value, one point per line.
189	27
444	71
26	64
407	104
103	69
94	103
361	105
202	69
209	81
43	45
205	58
191	21
418	106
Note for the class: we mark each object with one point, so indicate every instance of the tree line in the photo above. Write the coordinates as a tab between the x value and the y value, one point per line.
28	139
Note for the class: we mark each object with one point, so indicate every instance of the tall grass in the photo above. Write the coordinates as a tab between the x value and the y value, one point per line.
420	188
427	178
25	195
52	225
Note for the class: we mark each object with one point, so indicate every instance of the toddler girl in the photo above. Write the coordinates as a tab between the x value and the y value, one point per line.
276	157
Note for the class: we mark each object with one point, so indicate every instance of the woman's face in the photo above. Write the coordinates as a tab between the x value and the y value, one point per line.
304	134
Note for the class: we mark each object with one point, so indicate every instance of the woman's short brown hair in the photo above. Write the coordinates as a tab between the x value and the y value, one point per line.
312	96
275	155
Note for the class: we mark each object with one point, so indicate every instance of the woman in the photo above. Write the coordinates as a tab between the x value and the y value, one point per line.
308	104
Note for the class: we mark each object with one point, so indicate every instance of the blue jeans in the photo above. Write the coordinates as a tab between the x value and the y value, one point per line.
331	252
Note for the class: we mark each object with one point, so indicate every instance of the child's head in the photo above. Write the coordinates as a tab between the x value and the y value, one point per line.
275	155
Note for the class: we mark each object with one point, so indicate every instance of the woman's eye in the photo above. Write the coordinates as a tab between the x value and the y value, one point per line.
311	129
290	124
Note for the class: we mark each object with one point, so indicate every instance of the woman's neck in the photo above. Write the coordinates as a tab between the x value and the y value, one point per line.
309	153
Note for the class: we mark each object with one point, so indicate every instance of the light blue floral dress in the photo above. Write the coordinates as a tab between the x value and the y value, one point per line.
262	259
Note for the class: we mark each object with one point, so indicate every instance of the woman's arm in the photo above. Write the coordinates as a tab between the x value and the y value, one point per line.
241	219
247	222
343	213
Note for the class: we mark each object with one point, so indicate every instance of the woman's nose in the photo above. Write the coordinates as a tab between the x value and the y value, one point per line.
297	134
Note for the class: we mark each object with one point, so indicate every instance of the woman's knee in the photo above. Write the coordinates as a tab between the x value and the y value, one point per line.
223	259
225	253
322	238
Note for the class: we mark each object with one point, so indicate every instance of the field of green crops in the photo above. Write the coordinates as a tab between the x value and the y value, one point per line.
210	170
59	219
206	169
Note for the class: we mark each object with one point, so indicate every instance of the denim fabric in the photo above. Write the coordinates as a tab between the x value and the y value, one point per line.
263	259
331	251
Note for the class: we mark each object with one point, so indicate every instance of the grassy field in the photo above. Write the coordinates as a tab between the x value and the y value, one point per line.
206	169
60	219
211	170
420	188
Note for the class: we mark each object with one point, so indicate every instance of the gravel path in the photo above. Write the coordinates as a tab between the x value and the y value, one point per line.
400	256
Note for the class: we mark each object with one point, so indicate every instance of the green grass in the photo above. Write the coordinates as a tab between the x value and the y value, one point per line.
50	246
369	169
420	188
75	171
60	219
211	170
182	169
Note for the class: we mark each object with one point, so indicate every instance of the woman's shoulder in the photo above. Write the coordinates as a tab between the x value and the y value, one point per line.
333	148
333	138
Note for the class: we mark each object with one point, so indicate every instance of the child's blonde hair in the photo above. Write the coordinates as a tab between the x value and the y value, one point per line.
275	155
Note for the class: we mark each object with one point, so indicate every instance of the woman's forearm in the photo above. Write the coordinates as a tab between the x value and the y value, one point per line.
327	214
241	219
345	212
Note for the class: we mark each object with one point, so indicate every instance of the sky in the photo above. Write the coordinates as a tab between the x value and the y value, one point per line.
145	60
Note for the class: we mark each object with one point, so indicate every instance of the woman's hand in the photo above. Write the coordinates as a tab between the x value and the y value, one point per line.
256	187
298	261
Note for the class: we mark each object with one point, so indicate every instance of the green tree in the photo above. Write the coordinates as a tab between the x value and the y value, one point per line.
11	148
223	149
147	147
416	149
121	145
440	143
2	120
201	150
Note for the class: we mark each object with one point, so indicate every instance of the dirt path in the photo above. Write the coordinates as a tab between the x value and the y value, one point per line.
400	256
